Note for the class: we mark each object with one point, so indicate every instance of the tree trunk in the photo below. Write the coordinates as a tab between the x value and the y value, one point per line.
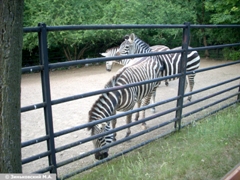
205	44
11	37
203	30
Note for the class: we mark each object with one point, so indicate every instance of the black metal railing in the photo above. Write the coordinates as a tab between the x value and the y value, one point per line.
47	103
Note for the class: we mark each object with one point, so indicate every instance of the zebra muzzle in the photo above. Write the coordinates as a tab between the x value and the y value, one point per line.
100	156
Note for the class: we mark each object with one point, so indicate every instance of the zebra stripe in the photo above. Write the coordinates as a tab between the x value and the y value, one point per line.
171	62
109	64
123	99
102	141
112	52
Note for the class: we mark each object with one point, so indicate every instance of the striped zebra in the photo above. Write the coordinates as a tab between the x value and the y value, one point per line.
123	99
170	62
109	64
112	51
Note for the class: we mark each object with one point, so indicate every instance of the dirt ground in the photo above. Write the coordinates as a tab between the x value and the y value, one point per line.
75	81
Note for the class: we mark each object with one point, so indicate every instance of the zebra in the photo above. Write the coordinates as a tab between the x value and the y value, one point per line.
123	99
109	64
112	51
171	62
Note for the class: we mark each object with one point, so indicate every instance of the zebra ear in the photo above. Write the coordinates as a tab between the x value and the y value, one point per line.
132	37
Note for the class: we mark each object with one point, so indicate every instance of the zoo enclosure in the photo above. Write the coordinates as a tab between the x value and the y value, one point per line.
44	67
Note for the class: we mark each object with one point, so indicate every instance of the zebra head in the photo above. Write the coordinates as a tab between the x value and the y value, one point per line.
101	141
127	46
110	53
109	65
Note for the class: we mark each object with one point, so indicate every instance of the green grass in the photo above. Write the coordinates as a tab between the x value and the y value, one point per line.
206	150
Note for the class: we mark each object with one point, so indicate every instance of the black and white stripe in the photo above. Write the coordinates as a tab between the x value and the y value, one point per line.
102	141
124	99
112	52
171	62
109	64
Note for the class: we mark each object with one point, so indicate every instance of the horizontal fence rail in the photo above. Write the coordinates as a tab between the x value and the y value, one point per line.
104	59
116	26
47	103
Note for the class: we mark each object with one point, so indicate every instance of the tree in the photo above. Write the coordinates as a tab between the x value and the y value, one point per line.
62	12
74	43
225	12
11	35
88	43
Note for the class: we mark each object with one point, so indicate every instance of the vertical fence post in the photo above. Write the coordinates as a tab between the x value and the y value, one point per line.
182	79
43	55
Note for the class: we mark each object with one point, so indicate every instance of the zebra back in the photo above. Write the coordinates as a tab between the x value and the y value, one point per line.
159	48
110	52
193	58
170	62
125	99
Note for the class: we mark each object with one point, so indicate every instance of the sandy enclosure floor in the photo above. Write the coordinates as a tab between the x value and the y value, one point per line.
75	81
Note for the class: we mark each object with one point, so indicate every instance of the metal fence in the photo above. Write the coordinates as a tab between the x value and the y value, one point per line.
47	103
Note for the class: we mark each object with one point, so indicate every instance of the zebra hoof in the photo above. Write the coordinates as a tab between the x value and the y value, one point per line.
136	119
166	83
144	127
127	134
189	99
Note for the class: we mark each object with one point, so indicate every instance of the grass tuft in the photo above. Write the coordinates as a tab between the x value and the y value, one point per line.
205	150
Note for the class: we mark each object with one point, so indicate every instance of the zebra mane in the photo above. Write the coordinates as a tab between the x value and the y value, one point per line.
110	83
90	119
113	80
137	39
132	37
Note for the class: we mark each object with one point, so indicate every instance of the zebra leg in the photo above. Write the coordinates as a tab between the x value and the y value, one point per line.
128	120
141	103
166	82
153	100
191	84
186	84
145	102
144	125
137	113
114	122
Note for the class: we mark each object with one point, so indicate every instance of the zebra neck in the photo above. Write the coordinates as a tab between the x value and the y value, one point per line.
141	46
105	106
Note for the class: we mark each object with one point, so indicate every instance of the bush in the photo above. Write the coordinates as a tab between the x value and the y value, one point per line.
231	54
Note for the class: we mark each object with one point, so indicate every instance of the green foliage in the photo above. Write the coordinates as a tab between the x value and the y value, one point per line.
60	12
225	11
91	42
206	150
231	54
148	12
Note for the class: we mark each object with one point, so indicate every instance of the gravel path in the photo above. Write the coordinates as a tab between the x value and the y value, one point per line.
75	81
